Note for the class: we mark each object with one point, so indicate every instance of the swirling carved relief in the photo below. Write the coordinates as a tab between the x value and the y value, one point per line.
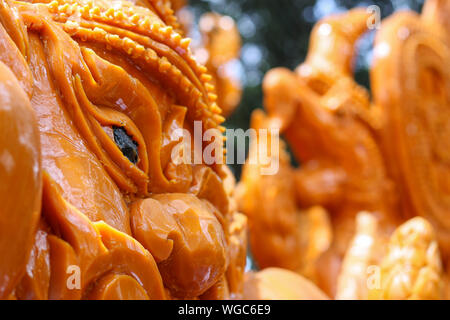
99	89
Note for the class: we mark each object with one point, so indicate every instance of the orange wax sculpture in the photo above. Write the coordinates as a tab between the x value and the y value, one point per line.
92	95
95	206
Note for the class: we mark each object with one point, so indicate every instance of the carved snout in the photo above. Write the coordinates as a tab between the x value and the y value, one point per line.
185	237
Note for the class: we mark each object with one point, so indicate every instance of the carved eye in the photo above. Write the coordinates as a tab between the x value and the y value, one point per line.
126	144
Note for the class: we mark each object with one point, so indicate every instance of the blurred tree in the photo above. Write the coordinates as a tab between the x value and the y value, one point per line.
276	33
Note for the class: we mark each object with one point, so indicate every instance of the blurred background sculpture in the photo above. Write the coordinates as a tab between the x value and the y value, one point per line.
221	47
385	156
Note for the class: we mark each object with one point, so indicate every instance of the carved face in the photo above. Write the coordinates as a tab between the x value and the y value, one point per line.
111	83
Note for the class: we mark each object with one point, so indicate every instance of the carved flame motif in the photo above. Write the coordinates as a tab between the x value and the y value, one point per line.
388	157
109	82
